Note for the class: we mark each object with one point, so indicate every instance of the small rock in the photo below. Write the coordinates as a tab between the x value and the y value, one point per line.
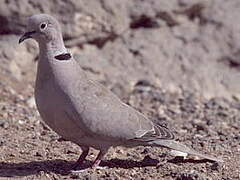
1	141
145	151
31	102
119	151
143	83
21	122
70	152
142	86
38	154
215	166
4	124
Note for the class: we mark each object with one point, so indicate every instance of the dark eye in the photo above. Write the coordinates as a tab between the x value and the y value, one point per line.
43	26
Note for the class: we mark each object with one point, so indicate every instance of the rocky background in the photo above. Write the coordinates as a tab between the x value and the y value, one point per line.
176	61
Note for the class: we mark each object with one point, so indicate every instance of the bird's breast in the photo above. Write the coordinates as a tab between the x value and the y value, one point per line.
53	103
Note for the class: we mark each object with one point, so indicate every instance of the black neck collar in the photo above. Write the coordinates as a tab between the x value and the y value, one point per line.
63	56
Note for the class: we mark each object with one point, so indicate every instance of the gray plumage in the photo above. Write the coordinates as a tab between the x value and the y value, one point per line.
83	111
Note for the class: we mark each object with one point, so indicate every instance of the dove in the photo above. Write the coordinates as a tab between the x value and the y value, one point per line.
83	111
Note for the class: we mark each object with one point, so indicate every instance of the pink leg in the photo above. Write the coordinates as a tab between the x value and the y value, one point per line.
99	157
82	157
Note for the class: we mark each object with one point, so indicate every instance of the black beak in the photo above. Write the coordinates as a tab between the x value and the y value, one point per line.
27	35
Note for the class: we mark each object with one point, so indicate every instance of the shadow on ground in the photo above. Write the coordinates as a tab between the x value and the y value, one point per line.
64	167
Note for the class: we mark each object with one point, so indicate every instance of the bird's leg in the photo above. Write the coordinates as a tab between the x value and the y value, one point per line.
99	157
82	157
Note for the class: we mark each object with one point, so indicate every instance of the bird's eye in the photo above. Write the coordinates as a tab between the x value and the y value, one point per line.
43	25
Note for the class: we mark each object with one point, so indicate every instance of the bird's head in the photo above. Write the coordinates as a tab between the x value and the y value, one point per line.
42	28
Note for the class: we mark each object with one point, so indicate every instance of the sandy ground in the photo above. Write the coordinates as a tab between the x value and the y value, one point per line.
30	150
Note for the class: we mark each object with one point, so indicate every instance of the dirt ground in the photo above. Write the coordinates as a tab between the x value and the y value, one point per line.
167	59
30	150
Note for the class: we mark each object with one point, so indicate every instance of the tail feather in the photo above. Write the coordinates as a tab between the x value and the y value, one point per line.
183	148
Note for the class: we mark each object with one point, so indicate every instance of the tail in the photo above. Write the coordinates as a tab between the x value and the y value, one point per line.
171	144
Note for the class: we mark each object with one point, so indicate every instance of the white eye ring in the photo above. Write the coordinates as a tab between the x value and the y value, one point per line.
43	26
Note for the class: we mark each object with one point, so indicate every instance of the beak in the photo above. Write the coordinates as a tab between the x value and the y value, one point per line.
27	35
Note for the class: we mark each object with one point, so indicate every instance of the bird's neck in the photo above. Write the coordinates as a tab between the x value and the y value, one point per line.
53	48
47	52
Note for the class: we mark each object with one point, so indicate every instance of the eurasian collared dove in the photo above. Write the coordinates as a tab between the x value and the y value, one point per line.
83	111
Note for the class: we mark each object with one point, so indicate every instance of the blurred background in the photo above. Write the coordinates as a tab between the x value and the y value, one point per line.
176	45
177	61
